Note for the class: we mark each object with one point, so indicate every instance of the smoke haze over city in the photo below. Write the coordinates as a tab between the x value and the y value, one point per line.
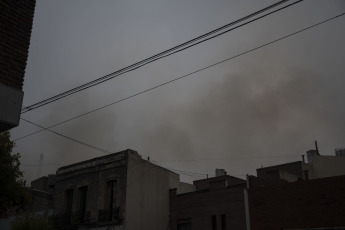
262	108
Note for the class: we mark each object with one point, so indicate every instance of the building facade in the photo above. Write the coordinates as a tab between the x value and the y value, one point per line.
298	195
318	166
305	204
216	204
116	191
15	25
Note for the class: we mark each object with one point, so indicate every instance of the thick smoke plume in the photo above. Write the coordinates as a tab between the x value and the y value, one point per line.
258	112
258	115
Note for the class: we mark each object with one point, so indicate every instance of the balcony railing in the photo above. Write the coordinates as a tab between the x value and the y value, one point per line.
72	220
68	219
109	215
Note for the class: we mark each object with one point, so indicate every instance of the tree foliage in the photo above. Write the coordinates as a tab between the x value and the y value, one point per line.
31	222
13	194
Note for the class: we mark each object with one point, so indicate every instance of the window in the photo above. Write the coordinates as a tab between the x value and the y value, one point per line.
110	196
110	212
214	222
68	204
82	203
223	217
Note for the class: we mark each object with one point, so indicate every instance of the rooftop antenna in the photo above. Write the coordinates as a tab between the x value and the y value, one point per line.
317	149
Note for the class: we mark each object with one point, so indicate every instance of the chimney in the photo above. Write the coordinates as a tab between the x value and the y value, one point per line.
303	158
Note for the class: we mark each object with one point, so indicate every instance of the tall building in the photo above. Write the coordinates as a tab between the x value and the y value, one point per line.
15	25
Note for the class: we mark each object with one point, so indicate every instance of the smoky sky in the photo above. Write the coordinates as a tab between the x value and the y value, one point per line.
263	108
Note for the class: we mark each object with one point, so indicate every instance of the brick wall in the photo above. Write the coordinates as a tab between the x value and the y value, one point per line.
301	204
15	25
199	207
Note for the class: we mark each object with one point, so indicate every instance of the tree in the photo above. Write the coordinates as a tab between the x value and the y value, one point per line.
13	194
31	222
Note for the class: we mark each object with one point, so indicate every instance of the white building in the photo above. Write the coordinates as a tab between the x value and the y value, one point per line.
116	191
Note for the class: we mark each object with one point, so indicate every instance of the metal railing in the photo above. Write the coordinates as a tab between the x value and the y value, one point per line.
68	219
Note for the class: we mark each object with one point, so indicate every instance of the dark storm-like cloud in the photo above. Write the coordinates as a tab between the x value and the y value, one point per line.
258	111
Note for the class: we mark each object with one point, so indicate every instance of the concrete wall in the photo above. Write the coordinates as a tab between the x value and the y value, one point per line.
147	198
283	175
327	166
272	172
185	187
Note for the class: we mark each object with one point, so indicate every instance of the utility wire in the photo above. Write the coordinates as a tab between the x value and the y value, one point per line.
69	138
231	158
161	55
193	173
184	76
169	170
160	162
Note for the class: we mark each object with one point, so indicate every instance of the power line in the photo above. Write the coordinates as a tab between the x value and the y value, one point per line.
232	158
180	171
160	162
184	76
161	55
194	175
69	138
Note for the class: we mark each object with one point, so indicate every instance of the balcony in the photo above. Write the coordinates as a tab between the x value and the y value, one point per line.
69	220
109	215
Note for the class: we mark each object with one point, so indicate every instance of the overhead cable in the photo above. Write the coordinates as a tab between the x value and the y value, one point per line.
181	77
161	55
69	138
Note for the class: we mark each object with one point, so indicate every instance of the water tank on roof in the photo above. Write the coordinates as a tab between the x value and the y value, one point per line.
310	154
220	172
340	152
